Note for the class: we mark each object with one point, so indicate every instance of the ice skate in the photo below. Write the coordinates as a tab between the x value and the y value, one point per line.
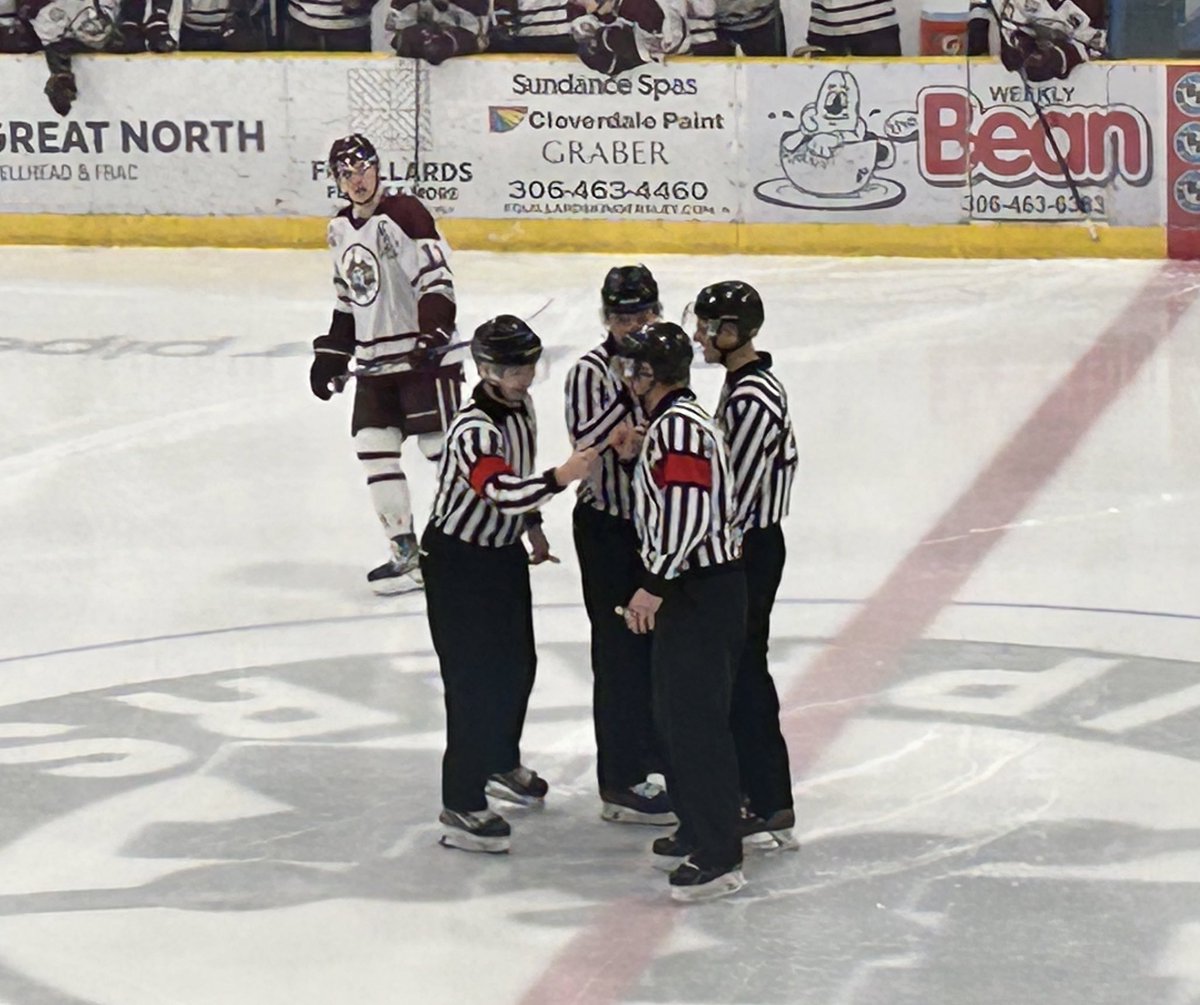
691	883
669	852
483	831
402	572
772	834
522	786
644	803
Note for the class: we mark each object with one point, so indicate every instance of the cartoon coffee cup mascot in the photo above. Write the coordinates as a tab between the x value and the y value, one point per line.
833	152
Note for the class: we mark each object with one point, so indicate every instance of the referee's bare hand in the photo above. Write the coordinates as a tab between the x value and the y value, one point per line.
626	440
640	611
576	466
539	547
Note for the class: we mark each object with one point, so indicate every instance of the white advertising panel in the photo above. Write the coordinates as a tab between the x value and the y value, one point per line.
501	138
946	143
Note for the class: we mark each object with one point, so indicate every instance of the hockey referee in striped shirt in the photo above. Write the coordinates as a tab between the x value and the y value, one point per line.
753	416
597	402
477	583
693	598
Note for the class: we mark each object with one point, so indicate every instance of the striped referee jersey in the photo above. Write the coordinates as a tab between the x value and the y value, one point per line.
752	415
487	491
328	15
534	19
683	496
838	18
596	403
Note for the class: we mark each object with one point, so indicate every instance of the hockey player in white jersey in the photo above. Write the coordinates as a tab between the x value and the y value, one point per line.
1041	39
63	29
616	35
394	317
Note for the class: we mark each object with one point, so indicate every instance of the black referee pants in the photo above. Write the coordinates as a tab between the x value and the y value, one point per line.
611	570
481	619
698	635
766	775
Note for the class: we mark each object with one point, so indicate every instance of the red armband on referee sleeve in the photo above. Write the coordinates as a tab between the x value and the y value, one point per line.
684	469
485	469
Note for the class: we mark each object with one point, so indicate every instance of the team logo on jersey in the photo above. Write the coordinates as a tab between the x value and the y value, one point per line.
361	269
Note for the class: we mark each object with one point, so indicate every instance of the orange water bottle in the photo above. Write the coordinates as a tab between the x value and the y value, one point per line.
943	27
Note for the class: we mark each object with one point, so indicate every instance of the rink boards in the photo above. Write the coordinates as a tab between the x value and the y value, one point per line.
906	157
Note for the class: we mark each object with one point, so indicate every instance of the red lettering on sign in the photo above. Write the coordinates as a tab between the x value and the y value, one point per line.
1007	144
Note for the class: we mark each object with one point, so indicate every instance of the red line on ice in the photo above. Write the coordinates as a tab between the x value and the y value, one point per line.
602	962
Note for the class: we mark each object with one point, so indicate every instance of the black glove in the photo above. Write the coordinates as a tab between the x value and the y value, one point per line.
158	34
425	41
611	50
1015	50
326	367
16	36
238	34
60	89
127	38
428	350
1046	63
409	41
438	46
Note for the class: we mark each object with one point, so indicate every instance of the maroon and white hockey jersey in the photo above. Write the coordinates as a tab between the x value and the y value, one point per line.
470	15
395	292
664	28
1045	38
87	22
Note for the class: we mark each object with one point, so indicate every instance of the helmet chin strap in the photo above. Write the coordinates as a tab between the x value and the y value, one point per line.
724	354
496	390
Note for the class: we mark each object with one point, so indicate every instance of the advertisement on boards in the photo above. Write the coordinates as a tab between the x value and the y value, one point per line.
932	143
657	142
155	136
801	141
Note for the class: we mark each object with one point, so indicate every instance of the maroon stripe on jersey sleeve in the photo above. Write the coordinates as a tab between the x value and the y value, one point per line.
410	216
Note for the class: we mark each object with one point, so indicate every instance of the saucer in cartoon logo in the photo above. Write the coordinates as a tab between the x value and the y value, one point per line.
361	269
830	161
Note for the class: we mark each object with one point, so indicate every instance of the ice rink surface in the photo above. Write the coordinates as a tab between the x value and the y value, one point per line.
219	753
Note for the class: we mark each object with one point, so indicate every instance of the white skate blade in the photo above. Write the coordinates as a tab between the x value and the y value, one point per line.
397	585
494	790
767	841
617	814
452	837
722	886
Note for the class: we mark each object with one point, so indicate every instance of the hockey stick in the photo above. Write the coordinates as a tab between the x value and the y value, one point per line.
416	66
1035	100
371	369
